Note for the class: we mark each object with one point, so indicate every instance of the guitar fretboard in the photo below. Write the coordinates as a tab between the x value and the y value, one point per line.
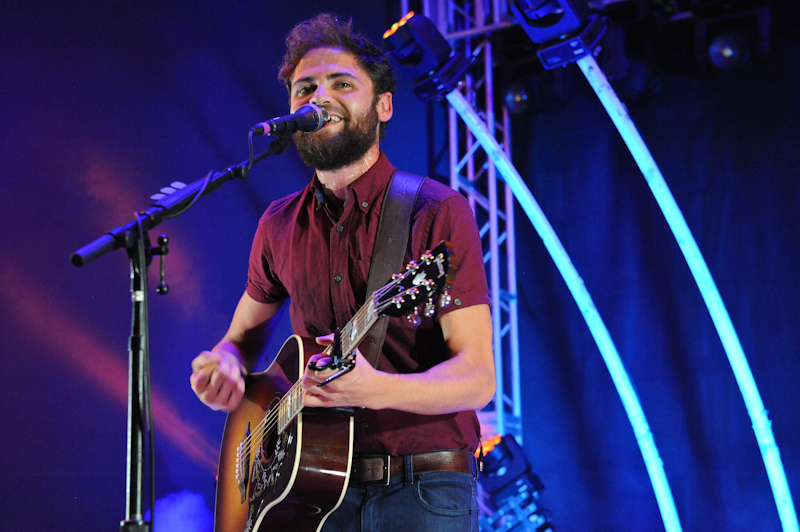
353	332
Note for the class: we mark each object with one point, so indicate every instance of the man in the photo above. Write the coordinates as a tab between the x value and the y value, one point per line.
315	247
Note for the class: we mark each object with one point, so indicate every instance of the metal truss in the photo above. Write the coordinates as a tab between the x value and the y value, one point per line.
467	25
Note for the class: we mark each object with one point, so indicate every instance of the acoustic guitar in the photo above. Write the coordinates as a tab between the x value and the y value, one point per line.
285	467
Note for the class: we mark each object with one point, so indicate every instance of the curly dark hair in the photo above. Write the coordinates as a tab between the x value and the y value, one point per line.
326	30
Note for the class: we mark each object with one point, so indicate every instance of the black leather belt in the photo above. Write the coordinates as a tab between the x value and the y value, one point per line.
381	468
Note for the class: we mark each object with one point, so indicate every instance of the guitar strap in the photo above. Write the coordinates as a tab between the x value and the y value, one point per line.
388	253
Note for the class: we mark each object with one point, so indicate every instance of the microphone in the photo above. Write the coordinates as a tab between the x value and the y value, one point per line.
309	118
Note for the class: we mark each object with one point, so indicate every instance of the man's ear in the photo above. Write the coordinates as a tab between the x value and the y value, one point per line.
384	106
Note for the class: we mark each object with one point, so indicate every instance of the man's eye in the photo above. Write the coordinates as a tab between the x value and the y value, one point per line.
302	91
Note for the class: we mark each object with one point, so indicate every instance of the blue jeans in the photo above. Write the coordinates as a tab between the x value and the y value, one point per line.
432	502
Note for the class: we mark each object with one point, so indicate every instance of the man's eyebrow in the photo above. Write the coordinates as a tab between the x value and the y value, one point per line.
331	76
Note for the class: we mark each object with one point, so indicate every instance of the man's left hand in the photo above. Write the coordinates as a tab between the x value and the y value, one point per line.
355	388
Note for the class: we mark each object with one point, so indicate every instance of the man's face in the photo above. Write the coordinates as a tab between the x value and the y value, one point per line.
332	78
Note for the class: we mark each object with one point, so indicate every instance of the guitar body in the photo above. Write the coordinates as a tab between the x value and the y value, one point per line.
288	480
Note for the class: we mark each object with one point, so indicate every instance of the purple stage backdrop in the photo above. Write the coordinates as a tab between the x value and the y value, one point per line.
103	103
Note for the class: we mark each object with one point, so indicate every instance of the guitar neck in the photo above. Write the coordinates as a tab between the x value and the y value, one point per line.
357	328
417	284
352	333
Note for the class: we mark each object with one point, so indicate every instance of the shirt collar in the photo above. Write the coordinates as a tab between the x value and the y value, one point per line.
365	189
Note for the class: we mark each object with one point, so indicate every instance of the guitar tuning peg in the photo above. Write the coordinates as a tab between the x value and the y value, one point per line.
444	300
430	309
414	318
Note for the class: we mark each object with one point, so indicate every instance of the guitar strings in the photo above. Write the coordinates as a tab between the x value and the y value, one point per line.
270	420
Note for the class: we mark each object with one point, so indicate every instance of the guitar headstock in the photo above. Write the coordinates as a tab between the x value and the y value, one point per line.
418	285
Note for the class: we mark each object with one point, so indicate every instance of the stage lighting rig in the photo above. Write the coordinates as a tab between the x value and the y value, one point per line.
513	491
426	57
564	29
728	39
552	19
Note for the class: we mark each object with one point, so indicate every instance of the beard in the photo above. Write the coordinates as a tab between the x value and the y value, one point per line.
343	149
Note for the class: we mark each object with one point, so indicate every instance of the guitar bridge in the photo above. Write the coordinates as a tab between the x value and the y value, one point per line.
243	463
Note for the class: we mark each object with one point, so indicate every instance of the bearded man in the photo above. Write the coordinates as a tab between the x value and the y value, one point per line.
416	409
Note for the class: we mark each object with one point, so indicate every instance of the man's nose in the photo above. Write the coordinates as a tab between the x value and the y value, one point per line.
320	96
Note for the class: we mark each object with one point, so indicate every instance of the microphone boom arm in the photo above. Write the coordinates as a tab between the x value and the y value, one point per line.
170	206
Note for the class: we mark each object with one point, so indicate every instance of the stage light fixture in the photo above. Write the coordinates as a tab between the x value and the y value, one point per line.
425	56
521	96
564	29
730	40
548	20
729	51
514	491
503	464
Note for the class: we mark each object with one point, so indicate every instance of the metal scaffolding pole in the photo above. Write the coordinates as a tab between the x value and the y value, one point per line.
467	24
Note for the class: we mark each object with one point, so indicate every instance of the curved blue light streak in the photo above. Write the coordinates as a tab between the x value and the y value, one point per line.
619	375
762	426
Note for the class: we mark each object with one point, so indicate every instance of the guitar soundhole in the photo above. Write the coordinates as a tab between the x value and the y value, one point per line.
270	441
269	436
267	468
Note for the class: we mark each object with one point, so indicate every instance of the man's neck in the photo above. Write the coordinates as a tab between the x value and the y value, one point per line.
336	181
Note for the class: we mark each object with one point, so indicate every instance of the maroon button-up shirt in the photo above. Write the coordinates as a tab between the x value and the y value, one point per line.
303	251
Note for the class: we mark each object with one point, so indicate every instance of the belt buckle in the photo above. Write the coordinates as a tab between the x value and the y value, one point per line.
387	471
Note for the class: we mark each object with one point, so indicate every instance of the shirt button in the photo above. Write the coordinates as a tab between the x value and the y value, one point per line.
364	204
340	228
365	424
337	278
457	302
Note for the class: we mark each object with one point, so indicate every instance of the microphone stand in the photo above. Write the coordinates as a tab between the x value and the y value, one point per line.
134	238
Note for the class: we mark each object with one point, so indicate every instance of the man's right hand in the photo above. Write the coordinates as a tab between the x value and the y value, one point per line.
217	379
